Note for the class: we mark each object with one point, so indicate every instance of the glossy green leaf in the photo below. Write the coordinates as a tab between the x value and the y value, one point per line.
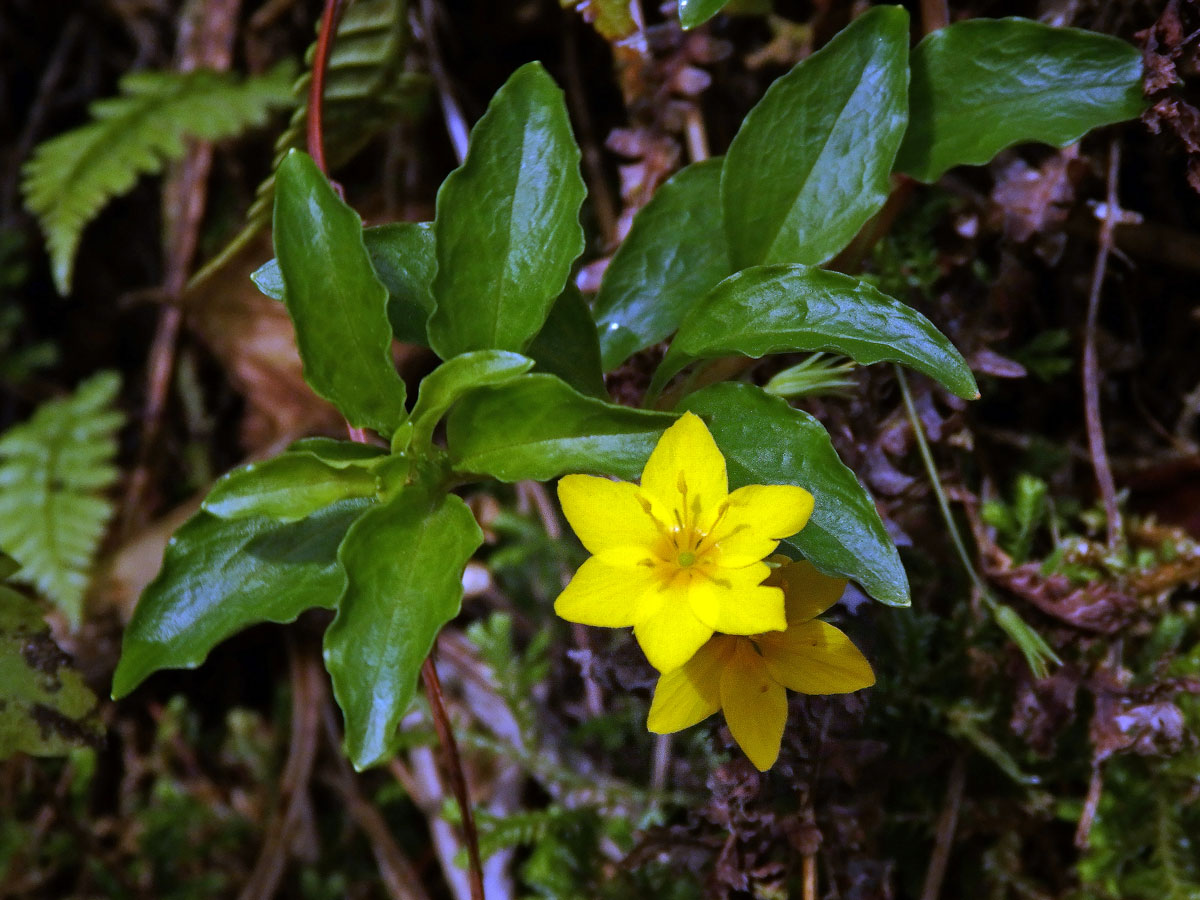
779	309
268	279
811	162
985	84
539	427
287	488
674	254
449	382
697	12
508	221
45	707
405	260
404	562
337	303
220	576
339	453
765	441
567	345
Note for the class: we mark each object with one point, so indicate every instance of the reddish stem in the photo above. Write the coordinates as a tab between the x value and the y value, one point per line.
458	782
316	88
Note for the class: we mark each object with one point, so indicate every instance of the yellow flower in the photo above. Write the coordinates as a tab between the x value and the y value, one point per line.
746	677
679	557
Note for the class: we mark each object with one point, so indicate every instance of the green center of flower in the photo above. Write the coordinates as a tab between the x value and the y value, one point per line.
686	558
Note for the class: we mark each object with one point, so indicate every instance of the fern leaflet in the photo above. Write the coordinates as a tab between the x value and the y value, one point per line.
69	178
54	470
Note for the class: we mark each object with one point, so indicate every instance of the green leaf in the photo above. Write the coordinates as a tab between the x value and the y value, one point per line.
780	309
985	84
404	562
508	221
55	470
405	260
287	488
45	707
539	427
567	345
336	301
674	254
71	177
339	453
765	441
449	382
812	160
697	12
220	576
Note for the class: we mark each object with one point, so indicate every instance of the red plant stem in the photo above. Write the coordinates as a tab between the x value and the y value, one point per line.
433	686
316	88
458	782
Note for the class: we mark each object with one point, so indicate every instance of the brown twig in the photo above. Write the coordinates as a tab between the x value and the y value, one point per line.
398	874
946	826
206	37
808	875
302	751
458	781
1091	364
456	122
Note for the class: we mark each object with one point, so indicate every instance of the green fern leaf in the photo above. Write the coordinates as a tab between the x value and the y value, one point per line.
54	470
71	177
367	91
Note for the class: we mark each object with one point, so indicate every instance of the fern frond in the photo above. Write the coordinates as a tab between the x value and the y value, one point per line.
54	470
70	178
366	91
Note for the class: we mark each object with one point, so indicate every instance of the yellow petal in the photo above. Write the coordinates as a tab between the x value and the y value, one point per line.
756	517
692	692
755	706
806	591
607	595
815	658
671	636
733	601
685	473
608	516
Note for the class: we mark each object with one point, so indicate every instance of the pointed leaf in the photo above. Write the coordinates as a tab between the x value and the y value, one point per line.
985	84
765	441
404	562
812	160
287	488
780	309
567	345
337	303
697	12
674	254
221	576
405	260
450	381
539	427
403	256
508	221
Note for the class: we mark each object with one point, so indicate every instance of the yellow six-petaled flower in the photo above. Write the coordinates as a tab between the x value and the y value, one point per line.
746	677
678	557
